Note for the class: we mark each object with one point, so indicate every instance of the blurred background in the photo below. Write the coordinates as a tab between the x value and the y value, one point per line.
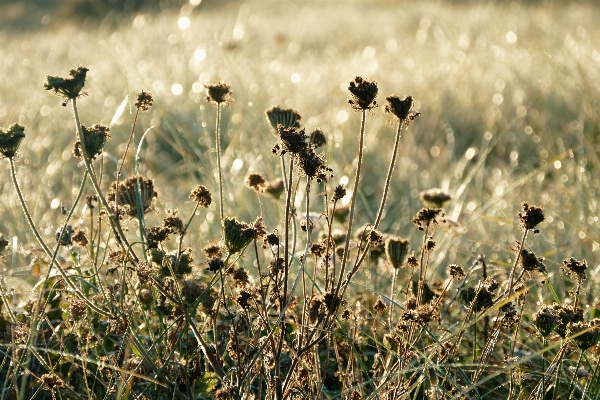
508	93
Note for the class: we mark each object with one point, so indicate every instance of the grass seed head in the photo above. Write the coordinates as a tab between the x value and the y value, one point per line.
11	140
362	94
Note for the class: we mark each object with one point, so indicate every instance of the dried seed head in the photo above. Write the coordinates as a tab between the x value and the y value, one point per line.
144	101
275	188
255	182
545	320
290	140
51	382
243	299
172	223
428	216
95	138
215	265
436	197
271	240
67	236
317	138
427	294
400	108
79	238
171	265
362	94
531	216
313	166
237	234
11	140
219	92
155	236
338	193
566	315
77	308
588	334
379	305
396	249
286	117
127	202
456	272
202	196
318	249
480	297
67	88
213	250
574	268
531	262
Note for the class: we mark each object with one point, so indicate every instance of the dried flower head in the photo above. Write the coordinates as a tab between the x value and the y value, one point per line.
545	320
379	305
428	216
480	297
237	234
586	334
67	88
287	117
67	236
400	108
362	94
173	223
178	266
213	250
144	101
51	382
427	293
396	249
215	264
128	198
317	138
435	197
255	182
95	138
574	268
566	315
219	92
11	140
155	236
290	140
531	262
531	216
202	196
339	192
77	308
313	165
79	238
275	188
456	272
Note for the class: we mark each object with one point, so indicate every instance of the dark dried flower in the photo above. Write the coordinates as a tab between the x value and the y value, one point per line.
412	261
255	182
286	117
422	314
51	382
127	203
566	315
276	266
95	138
317	138
400	108
427	294
155	236
275	188
436	197
480	297
67	236
314	310
545	320
511	316
574	268
237	234
213	250
396	249
144	101
291	140
77	308
456	272
79	238
531	262
172	223
318	249
362	94
428	216
243	299
379	305
171	265
313	166
339	192
587	334
219	92
191	290
201	195
11	140
215	265
240	276
271	240
67	88
531	216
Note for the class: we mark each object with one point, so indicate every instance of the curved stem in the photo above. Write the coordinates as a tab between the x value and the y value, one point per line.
389	175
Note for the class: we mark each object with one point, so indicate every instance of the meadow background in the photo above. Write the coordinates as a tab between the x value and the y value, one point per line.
508	94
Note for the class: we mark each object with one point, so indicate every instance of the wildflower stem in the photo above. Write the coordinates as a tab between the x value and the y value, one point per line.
389	175
574	375
220	172
514	268
120	168
114	222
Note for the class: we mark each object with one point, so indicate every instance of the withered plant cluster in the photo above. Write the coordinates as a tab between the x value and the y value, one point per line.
268	312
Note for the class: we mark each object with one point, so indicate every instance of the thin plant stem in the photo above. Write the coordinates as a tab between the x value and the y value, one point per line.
122	162
571	385
220	171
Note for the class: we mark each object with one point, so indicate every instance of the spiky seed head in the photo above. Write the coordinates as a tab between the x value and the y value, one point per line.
128	200
11	140
202	196
144	101
531	216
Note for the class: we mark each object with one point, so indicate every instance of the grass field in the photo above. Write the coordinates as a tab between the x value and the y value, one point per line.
508	96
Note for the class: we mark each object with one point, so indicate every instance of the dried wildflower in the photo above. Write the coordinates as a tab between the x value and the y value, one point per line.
587	334
51	382
145	296
155	236
391	341
400	108
396	249
276	266
291	140
427	294
255	182
240	276
144	101
531	216
67	236
341	213
95	138
379	305
275	188
286	117
3	243
191	290
412	261
362	94
201	195
566	315
213	250
456	272
480	297
11	140
67	88
271	240
127	202
317	301
339	192
237	234
531	262
545	320
428	216
423	314
172	223
79	238
215	265
510	317
219	92
313	166
77	308
318	249
243	299
317	138
436	197
574	268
